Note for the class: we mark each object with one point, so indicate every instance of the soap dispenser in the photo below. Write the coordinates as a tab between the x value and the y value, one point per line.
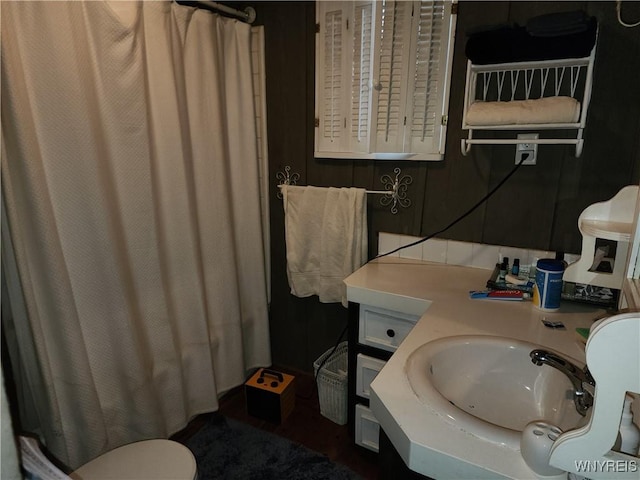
629	433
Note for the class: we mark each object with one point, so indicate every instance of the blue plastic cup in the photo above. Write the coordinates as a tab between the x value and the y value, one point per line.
547	290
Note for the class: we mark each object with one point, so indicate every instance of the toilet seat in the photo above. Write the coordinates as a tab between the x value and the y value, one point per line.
149	459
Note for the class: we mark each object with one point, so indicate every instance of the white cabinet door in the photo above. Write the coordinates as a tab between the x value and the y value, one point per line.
384	329
367	369
367	429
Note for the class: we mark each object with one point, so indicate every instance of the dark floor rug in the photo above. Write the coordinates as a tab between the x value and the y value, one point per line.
227	449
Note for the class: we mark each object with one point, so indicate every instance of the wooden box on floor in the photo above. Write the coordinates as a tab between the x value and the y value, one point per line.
270	395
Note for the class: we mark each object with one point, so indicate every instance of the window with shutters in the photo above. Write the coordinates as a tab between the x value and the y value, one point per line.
383	70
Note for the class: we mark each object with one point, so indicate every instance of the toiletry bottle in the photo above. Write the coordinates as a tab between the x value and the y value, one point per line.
503	272
532	270
629	432
515	269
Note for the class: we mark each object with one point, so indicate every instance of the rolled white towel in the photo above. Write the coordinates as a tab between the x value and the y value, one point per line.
522	112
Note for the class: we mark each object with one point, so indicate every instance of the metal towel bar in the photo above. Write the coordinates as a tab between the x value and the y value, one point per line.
394	193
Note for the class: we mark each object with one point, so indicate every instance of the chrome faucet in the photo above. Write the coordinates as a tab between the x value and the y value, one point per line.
581	379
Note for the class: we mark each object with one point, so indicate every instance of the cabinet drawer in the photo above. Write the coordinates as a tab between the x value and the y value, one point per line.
366	370
367	428
382	328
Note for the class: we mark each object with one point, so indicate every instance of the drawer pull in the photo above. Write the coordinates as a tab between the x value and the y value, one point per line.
391	333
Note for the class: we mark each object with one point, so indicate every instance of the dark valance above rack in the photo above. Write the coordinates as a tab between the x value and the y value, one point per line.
546	37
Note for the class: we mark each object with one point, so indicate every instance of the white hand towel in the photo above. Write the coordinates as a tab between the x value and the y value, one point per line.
326	238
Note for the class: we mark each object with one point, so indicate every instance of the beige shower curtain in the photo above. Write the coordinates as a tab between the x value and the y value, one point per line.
132	243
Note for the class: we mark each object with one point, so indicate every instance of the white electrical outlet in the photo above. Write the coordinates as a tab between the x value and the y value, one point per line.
527	152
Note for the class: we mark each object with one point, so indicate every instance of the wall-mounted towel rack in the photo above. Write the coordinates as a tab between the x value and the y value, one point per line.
536	95
394	193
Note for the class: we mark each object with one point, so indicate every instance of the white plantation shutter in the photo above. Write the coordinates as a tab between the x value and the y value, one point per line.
429	79
389	97
331	88
391	72
343	80
361	78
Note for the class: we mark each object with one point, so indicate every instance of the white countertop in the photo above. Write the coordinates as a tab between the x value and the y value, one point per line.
440	293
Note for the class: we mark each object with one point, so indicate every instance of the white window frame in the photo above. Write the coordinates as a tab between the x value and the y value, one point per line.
342	140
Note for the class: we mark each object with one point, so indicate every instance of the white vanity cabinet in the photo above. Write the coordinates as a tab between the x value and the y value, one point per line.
374	334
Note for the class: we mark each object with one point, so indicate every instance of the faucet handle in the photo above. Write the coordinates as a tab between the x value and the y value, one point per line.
589	388
589	378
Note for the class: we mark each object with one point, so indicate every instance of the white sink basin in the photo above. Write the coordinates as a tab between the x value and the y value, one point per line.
488	387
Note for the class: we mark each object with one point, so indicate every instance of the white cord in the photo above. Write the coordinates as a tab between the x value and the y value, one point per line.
618	11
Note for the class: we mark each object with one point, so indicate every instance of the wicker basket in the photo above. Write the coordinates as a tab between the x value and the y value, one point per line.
332	383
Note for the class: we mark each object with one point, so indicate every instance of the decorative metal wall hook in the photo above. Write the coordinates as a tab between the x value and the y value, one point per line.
396	190
286	178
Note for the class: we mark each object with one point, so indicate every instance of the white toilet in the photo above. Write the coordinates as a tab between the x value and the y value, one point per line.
157	459
144	460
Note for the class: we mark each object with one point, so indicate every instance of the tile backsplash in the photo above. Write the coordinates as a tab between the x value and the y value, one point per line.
454	252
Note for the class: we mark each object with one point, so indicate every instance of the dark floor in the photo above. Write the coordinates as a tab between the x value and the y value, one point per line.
305	425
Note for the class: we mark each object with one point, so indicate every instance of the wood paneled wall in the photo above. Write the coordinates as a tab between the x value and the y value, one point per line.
537	208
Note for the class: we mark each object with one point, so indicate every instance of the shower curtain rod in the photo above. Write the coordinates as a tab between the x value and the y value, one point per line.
247	15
